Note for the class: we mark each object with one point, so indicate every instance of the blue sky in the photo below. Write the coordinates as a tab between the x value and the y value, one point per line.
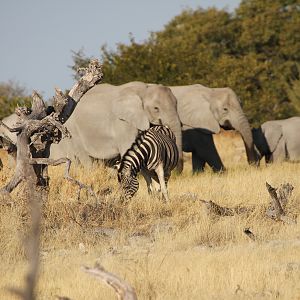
37	36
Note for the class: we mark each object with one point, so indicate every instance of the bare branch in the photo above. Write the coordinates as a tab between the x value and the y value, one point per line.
35	125
59	101
13	183
38	107
93	75
62	298
123	290
56	162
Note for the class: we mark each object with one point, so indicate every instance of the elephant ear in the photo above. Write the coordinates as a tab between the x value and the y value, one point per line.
129	108
194	111
272	133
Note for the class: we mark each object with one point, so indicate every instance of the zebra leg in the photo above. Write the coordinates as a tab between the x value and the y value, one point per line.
160	174
151	181
148	180
167	177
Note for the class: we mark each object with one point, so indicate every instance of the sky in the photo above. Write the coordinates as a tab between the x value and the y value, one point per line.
38	36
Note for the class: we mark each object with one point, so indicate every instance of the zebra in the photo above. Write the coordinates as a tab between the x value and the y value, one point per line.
155	153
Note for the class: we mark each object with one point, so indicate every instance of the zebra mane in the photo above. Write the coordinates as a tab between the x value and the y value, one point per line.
137	141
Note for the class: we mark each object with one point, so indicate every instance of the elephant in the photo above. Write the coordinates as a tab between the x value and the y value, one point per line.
108	118
278	140
203	111
8	139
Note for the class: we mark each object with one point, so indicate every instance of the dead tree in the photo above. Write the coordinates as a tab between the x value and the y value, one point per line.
39	127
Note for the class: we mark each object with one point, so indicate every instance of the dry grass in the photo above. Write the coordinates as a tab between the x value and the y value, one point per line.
166	251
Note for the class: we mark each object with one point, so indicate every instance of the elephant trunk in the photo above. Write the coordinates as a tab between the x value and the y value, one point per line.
242	126
175	126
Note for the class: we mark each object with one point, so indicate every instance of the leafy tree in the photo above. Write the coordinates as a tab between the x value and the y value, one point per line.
12	95
255	51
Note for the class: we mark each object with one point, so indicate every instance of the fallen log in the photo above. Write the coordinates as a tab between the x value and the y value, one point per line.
218	210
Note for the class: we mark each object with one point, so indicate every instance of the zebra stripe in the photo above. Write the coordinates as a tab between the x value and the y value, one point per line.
153	150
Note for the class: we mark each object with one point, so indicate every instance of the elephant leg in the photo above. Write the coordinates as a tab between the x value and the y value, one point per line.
207	153
268	158
203	150
280	153
212	156
85	160
197	163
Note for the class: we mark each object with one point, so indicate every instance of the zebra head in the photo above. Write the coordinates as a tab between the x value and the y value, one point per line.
129	182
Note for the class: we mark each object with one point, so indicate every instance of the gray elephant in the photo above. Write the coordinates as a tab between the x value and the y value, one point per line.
203	111
7	138
107	120
278	140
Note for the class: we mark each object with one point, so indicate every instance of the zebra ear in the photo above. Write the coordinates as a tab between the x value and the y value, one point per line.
117	165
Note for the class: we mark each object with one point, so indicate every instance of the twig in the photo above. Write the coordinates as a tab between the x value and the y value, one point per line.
72	217
123	290
56	162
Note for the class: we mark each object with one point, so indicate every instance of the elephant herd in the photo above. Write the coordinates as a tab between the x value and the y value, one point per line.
108	118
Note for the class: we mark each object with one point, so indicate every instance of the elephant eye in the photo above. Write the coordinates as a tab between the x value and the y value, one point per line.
225	109
156	109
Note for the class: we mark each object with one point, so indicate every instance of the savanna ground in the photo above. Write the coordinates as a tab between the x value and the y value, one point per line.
166	251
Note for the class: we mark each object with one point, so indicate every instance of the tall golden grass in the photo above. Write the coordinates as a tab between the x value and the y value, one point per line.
166	251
